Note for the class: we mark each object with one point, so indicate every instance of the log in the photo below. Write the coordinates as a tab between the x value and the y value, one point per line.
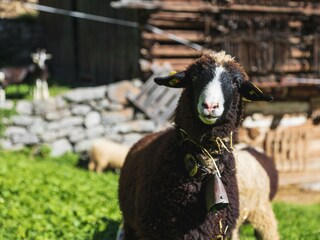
178	64
174	51
295	65
277	108
190	35
297	53
174	16
176	24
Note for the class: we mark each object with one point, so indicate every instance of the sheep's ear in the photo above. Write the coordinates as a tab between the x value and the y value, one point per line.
174	80
251	92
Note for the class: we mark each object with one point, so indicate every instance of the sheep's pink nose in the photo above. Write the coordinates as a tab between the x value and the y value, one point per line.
210	106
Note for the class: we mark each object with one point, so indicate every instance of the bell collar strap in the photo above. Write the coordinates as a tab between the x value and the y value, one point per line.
204	158
202	163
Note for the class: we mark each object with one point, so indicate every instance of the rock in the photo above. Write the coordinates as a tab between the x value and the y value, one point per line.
26	139
50	136
24	107
117	117
41	107
82	146
142	126
60	103
132	138
117	92
71	121
140	116
23	120
77	135
65	123
92	119
5	144
314	186
6	121
37	127
115	107
7	105
95	132
10	131
8	145
60	147
81	95
56	115
114	137
101	105
80	109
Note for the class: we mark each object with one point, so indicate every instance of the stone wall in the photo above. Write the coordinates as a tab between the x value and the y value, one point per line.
71	121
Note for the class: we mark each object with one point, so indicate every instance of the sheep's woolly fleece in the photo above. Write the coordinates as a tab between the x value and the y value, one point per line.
221	57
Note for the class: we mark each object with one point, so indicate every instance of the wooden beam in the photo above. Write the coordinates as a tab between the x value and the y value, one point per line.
277	108
298	177
178	64
177	24
190	35
174	51
199	6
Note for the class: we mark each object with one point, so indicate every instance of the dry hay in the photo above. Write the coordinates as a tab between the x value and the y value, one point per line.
15	8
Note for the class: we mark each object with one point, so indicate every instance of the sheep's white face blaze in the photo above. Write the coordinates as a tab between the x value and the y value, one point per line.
211	100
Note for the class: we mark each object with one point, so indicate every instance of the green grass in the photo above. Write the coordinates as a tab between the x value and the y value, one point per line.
295	222
53	199
5	113
50	198
24	91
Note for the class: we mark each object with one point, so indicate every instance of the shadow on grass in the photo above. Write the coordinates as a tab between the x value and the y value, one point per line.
110	231
83	161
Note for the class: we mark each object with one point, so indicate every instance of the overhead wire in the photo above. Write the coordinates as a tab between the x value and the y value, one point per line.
120	22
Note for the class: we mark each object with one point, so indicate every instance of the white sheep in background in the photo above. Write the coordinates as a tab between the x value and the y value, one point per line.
2	92
36	72
105	153
41	90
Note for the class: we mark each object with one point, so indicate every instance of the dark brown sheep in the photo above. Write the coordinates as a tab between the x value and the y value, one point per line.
163	194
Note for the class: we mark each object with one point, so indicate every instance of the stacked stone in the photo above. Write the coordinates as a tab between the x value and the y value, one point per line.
70	122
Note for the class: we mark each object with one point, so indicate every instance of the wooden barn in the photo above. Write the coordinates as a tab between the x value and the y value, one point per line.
277	42
90	52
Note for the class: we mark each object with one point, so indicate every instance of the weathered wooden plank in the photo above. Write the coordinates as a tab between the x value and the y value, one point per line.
175	61
298	177
176	16
277	108
174	51
190	35
176	24
157	102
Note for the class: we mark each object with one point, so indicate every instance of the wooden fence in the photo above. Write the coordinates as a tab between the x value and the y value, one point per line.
294	149
86	52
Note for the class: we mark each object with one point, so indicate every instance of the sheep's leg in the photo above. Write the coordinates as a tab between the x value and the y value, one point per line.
99	169
243	214
37	90
2	95
45	90
92	166
264	223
